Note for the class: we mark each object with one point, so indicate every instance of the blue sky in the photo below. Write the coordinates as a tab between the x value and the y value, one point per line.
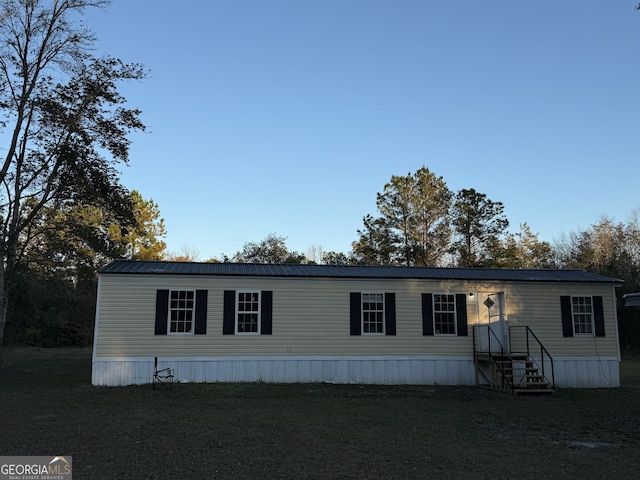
288	116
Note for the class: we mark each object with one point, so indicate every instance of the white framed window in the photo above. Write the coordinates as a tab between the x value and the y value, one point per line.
582	311
444	314
248	312
373	313
182	307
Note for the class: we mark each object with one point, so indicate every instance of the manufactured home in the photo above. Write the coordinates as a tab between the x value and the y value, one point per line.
222	322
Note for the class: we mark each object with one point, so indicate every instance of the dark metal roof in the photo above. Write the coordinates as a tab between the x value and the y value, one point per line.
631	300
344	271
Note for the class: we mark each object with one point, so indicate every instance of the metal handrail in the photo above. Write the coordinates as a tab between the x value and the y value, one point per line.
543	352
499	365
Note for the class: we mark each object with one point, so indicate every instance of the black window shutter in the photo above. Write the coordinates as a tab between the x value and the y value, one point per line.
162	311
427	314
229	313
461	314
390	313
201	312
266	309
355	313
567	316
598	316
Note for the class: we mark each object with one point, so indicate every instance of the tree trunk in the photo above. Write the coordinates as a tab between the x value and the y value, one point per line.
4	301
8	260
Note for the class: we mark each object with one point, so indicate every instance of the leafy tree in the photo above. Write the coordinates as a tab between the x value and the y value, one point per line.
65	121
296	258
272	249
212	260
187	254
52	301
606	248
336	258
74	240
415	208
431	204
632	249
395	206
377	243
611	249
524	250
478	224
48	309
142	241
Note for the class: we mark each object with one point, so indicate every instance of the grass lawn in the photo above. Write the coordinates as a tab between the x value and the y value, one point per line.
312	431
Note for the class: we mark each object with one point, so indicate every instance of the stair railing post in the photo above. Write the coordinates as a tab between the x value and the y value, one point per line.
502	362
475	356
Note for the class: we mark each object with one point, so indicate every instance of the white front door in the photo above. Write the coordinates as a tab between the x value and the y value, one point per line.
495	304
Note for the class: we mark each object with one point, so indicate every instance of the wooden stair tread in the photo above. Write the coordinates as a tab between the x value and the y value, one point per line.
515	372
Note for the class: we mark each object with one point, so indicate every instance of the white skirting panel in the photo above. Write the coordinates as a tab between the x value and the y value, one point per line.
578	372
357	370
587	372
